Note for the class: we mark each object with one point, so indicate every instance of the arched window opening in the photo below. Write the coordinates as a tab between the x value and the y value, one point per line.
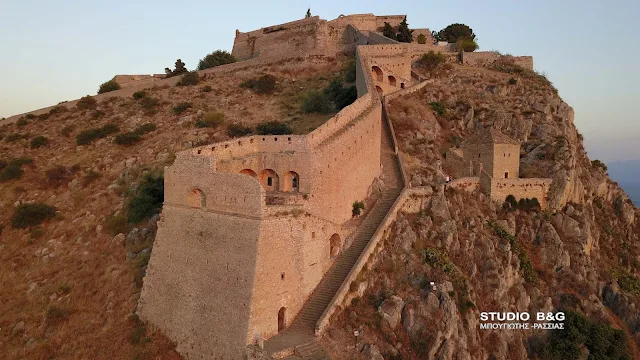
335	245
249	172
377	73
291	181
392	80
379	90
269	180
402	85
197	199
282	321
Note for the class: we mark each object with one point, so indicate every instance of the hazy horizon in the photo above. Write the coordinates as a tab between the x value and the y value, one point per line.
66	50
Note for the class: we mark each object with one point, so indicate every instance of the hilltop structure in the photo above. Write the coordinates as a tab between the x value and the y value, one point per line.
256	238
492	160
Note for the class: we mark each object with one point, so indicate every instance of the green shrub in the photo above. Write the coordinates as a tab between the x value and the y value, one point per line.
600	164
179	69
22	122
11	171
129	138
67	130
116	224
238	130
148	103
14	137
90	177
421	39
86	102
145	128
316	102
181	107
512	81
339	95
350	71
207	89
356	208
629	283
139	95
88	136
438	107
147	200
431	60
467	44
510	203
216	58
31	116
211	119
273	128
57	176
189	79
108	86
36	233
265	84
39	141
31	215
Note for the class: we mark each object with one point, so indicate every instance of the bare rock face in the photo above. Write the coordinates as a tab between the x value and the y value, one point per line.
623	306
552	251
391	310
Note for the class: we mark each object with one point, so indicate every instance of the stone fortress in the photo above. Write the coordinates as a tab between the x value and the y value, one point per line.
256	243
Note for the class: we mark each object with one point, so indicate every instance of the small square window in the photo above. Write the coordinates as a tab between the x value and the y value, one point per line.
282	276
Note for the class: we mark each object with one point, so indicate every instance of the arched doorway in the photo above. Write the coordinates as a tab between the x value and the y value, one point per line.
197	199
291	181
379	90
392	80
282	321
249	172
335	245
377	73
269	180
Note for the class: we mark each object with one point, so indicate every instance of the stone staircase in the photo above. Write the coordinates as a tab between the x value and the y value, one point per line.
300	334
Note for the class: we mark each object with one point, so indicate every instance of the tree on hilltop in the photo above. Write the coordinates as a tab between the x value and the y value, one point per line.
388	31
179	69
308	15
460	34
216	58
110	85
404	33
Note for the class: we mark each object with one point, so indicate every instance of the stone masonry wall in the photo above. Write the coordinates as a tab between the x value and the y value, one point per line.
506	159
521	188
486	58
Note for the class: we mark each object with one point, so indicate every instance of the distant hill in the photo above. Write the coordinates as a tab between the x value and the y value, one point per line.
627	174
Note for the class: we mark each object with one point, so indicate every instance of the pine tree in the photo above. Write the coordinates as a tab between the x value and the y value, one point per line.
404	33
179	68
308	13
388	31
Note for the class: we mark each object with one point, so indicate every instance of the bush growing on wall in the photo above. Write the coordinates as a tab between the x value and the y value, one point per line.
421	39
216	58
108	86
31	215
389	31
357	208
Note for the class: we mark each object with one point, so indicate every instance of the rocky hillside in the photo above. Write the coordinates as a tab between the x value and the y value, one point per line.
78	187
581	256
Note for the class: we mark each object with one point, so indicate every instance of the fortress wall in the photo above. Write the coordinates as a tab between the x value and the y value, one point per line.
288	38
338	122
506	158
377	39
299	248
481	154
199	282
393	20
467	184
486	58
281	163
133	80
521	188
248	145
229	193
455	164
427	35
345	166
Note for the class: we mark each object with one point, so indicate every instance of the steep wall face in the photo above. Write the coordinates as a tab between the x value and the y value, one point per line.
293	255
521	189
479	154
506	161
293	37
486	58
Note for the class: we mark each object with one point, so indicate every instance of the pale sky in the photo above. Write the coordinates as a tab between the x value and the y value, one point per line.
61	50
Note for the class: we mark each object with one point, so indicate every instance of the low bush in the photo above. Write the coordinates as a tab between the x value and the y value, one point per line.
116	224
147	200
86	102
421	39
57	176
39	141
127	139
14	137
467	44
339	95
189	79
273	128
356	208
90	177
438	107
211	119
600	164
207	89
316	102
238	130
512	81
108	86
12	170
88	136
629	283
265	84
145	128
181	107
22	122
67	130
31	215
36	233
216	58
139	95
431	60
